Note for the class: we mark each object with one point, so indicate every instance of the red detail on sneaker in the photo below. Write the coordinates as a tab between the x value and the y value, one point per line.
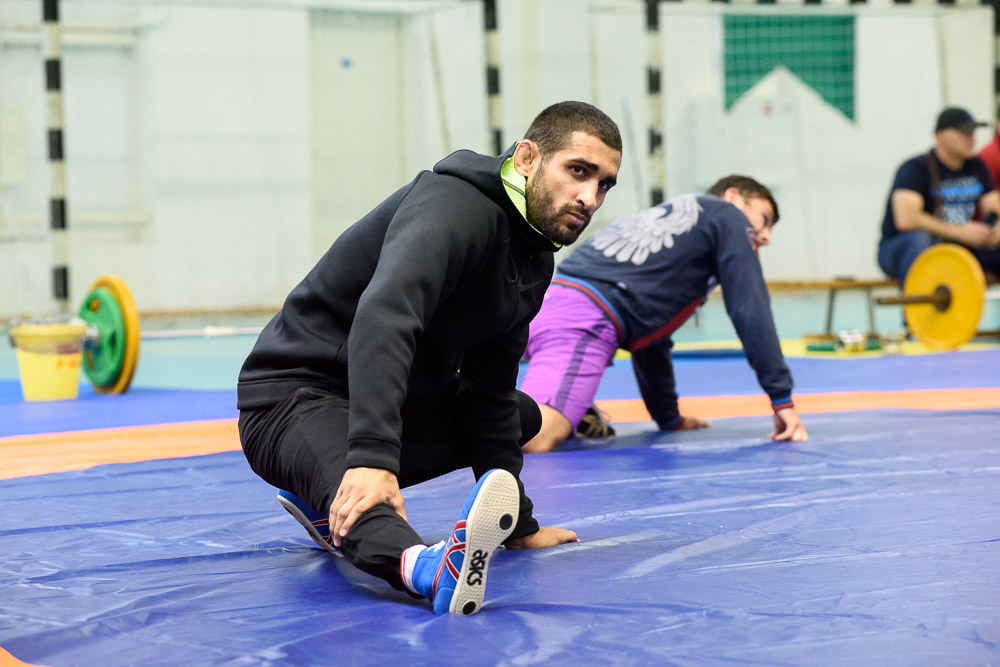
402	570
452	546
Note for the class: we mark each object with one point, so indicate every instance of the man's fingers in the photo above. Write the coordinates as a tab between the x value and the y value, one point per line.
545	537
785	434
347	515
569	536
398	505
791	433
692	423
342	517
334	527
336	520
339	516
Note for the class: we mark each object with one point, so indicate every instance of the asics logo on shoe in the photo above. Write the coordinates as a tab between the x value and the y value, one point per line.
477	563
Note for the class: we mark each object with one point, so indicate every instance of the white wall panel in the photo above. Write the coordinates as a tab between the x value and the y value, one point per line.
214	151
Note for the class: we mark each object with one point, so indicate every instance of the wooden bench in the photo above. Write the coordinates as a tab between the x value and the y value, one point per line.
832	287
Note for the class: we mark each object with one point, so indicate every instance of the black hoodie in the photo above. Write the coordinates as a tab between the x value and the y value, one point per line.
443	275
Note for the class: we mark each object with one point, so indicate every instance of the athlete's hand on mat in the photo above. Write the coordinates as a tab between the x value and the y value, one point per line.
688	423
788	426
545	537
360	490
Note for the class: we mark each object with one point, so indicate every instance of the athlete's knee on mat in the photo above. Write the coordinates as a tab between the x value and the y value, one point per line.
553	432
531	417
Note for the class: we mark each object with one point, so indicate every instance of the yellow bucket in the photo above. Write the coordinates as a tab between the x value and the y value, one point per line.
48	359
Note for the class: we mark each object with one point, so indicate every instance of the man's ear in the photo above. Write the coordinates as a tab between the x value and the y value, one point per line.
527	157
731	194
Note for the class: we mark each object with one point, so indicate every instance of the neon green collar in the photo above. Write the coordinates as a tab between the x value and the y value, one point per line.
515	184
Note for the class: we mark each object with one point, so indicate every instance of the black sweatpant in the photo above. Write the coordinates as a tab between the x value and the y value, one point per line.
300	445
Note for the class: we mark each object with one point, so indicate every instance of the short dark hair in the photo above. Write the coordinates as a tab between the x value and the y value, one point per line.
748	187
552	128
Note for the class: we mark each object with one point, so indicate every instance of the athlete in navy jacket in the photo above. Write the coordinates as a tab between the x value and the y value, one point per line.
632	284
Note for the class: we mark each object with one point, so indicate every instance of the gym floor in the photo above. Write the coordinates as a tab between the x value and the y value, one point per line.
135	533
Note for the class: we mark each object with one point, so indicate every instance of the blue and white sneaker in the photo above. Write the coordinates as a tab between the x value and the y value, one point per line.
443	573
316	525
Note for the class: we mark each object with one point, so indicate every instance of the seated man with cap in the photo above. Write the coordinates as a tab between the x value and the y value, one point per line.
935	197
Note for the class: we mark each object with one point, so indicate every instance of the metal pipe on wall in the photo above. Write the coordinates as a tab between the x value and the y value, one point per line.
654	76
56	143
494	111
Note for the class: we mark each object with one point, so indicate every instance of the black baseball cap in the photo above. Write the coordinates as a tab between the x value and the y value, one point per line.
960	119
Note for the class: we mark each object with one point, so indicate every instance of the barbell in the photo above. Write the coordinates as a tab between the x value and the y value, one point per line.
112	339
943	296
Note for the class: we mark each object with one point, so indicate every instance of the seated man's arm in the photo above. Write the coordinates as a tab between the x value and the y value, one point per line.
989	204
909	215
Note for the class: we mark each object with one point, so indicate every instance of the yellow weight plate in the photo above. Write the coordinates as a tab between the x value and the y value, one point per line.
123	295
951	266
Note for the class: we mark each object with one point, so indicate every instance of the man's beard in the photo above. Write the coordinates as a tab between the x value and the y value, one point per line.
544	216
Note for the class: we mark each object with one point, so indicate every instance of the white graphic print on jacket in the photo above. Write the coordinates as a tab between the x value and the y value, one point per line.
636	236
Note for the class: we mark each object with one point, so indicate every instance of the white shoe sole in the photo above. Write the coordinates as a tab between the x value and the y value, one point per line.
491	520
307	524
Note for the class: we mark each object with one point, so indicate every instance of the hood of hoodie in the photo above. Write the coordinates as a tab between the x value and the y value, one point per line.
483	172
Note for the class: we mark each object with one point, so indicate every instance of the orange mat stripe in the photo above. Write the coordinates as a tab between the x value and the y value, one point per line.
714	407
59	452
7	660
44	453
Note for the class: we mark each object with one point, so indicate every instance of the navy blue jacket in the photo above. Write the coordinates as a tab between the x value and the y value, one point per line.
650	270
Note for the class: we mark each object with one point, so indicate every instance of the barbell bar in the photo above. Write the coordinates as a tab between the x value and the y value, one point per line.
112	339
942	298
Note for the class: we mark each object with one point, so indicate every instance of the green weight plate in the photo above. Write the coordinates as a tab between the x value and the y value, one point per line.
104	357
130	348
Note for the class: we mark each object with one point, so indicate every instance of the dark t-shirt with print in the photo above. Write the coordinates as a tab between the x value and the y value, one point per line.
957	192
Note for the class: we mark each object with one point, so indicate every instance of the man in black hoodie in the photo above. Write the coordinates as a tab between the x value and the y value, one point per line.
395	360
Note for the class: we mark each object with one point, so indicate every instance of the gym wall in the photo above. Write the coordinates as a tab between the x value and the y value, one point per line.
214	149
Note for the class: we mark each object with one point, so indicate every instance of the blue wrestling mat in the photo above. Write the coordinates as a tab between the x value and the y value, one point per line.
875	542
